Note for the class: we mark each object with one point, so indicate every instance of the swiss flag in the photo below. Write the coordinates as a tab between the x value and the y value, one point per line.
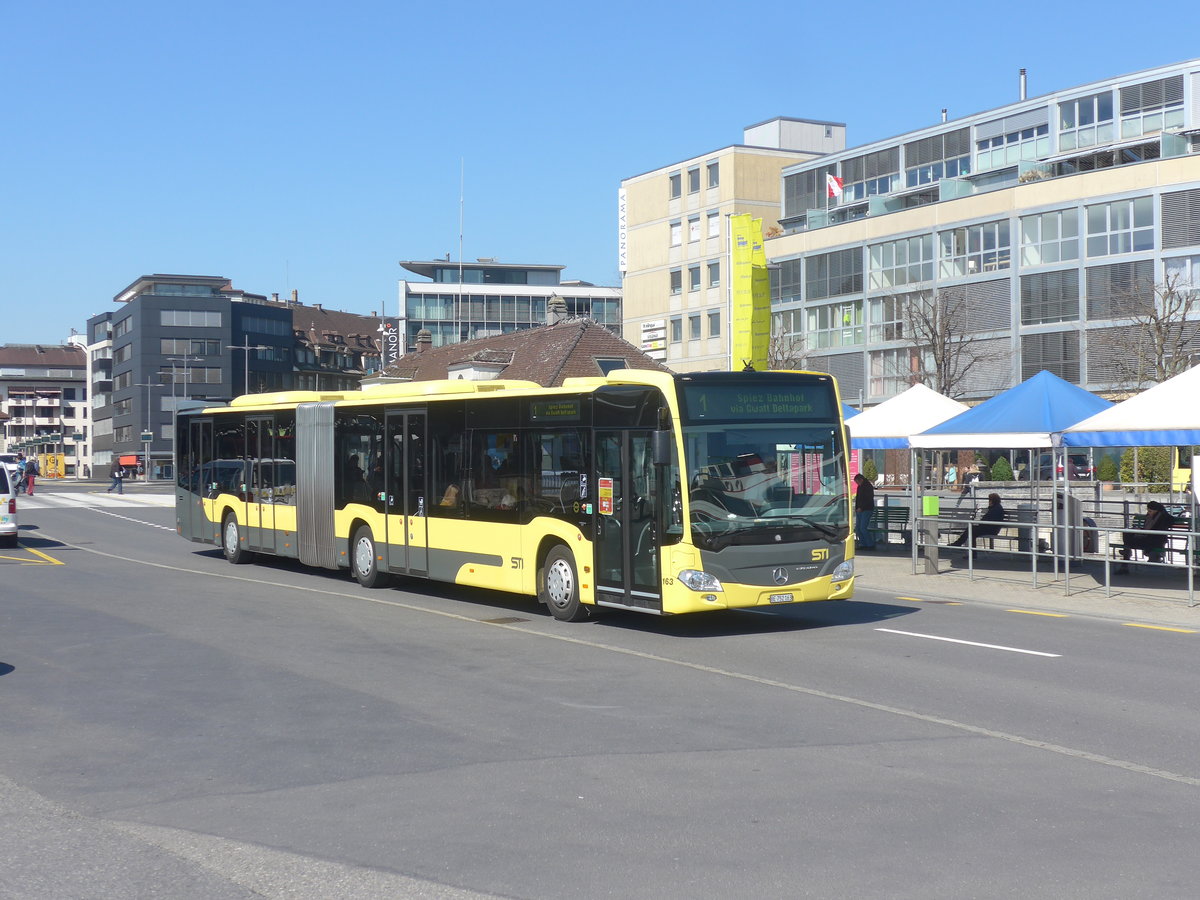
834	184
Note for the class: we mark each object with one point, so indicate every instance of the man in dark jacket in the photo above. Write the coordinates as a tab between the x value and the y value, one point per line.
864	505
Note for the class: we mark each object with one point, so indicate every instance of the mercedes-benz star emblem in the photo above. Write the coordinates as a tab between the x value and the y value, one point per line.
780	575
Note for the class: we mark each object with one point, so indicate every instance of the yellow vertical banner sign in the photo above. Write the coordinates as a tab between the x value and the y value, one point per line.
760	280
750	313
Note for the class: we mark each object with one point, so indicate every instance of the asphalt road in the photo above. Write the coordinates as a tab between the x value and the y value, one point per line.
174	726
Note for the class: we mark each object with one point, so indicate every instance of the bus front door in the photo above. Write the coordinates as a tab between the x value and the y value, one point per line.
627	486
192	477
407	535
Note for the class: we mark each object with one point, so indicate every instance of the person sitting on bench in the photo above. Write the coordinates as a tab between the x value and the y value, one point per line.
993	515
1157	519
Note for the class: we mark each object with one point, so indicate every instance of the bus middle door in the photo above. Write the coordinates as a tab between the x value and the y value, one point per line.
407	534
260	489
626	530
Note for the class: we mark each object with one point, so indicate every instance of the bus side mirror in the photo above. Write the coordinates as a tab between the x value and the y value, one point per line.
660	447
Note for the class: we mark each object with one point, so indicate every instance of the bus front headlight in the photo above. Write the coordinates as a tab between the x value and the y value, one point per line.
700	581
844	571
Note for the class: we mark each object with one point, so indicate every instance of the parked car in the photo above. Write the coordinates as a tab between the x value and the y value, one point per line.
8	508
9	461
1080	464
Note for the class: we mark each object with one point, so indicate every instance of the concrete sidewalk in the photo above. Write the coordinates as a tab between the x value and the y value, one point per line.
1157	596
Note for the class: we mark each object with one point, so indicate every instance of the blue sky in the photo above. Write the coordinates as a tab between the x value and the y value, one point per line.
311	146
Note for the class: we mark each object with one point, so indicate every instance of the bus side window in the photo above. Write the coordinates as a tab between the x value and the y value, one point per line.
445	458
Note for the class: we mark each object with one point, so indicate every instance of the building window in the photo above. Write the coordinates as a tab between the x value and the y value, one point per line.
676	233
1120	290
1183	272
1085	122
694	229
693	278
938	156
1050	237
1050	297
907	261
1057	353
694	327
189	347
674	183
1181	219
974	249
122	327
714	274
833	274
714	225
123	434
1009	149
714	323
190	318
1152	106
836	325
122	381
714	174
887	318
676	329
123	354
610	365
870	174
1125	226
694	180
786	281
893	371
676	281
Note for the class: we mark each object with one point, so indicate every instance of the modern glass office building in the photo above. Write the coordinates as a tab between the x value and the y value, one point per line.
1057	222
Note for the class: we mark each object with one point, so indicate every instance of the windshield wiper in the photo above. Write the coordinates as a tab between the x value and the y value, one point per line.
830	531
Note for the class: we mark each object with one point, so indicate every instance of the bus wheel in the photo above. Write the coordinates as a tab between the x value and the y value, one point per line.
363	560
231	541
558	586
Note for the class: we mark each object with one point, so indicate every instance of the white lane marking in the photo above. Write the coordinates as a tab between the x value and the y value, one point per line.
934	637
105	512
294	591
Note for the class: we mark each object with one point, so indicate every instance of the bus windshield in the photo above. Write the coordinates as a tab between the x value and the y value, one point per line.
765	483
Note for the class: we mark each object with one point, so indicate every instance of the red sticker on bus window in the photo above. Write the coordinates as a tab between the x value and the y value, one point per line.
605	487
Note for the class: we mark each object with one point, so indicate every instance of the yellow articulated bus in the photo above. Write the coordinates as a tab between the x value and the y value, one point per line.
641	490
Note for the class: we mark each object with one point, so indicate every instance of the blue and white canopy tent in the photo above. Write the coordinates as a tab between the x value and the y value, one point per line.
1029	417
1026	417
889	425
1167	414
848	411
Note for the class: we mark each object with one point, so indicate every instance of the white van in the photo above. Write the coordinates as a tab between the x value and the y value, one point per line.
8	509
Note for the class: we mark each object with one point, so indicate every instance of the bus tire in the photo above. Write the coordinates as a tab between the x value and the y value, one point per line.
364	561
558	586
231	540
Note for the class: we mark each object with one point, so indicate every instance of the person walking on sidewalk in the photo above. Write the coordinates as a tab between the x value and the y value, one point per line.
117	472
31	473
20	483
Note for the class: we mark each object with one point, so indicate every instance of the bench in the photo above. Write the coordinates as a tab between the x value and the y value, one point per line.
1010	531
1175	551
889	520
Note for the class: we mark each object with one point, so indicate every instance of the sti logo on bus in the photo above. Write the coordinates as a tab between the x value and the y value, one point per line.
820	553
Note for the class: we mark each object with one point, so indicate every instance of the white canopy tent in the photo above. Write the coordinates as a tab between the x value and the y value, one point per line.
1167	414
890	424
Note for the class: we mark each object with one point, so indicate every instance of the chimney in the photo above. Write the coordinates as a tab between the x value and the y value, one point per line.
424	340
295	296
1022	84
275	297
944	111
556	309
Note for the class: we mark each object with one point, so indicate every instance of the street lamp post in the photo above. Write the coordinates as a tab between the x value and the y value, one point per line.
148	434
246	347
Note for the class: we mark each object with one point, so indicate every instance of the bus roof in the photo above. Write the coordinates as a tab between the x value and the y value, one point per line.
411	390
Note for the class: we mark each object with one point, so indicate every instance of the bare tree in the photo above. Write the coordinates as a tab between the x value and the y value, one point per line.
946	350
1160	336
786	351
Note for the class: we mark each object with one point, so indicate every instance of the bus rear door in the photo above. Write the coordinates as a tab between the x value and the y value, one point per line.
626	530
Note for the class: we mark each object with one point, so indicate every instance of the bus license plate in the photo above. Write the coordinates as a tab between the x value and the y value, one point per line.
781	598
